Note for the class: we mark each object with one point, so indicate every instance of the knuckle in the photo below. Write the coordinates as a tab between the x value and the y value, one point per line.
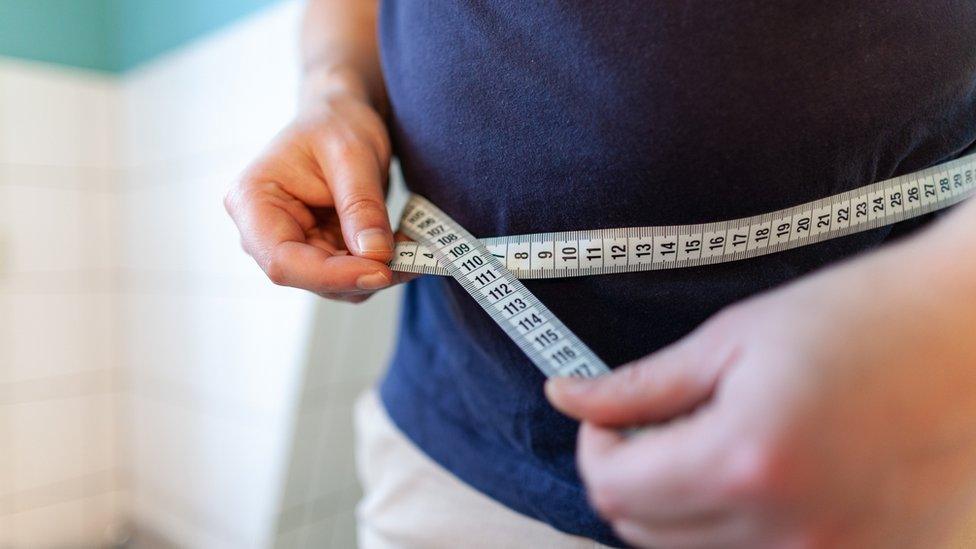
348	145
756	470
381	139
276	272
354	204
235	195
229	200
675	390
247	187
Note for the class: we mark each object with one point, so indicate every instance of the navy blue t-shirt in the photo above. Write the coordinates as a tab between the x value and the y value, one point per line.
521	116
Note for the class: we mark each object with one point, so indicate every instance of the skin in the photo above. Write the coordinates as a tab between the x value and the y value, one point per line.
311	209
837	411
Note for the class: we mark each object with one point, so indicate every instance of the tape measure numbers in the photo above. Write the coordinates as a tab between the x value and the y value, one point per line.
551	346
490	269
605	251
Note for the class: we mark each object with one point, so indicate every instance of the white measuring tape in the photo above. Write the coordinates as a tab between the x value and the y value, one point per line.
551	346
490	269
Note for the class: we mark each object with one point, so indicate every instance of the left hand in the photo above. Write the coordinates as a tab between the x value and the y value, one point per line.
839	411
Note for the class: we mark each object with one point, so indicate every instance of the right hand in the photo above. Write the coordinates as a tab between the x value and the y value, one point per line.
311	209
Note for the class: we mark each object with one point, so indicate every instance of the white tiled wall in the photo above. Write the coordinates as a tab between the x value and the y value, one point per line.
59	377
238	398
149	374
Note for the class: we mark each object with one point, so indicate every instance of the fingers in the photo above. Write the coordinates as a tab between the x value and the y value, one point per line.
649	474
596	443
665	486
720	533
664	385
277	242
300	265
356	178
316	192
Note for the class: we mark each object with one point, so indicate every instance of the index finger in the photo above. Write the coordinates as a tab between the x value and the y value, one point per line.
301	265
355	177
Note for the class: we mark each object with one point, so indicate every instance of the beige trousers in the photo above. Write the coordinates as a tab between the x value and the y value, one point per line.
410	502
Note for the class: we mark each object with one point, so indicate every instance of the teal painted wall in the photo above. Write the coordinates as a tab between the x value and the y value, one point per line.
145	28
69	32
110	35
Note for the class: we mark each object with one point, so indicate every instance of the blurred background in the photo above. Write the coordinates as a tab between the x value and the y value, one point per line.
155	389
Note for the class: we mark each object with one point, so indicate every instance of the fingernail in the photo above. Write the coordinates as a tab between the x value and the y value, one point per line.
374	240
375	281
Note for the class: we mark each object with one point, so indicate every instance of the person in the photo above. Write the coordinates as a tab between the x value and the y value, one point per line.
818	397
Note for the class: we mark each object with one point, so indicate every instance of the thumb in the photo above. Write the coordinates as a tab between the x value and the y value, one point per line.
666	384
356	179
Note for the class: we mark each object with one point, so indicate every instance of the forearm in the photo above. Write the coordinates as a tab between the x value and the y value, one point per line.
930	276
340	51
947	252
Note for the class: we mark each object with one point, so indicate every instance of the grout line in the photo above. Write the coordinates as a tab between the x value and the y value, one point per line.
143	281
60	387
321	447
170	162
173	391
71	489
162	169
49	166
122	421
317	509
6	462
192	399
58	281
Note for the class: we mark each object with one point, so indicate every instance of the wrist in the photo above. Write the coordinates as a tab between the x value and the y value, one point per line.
321	82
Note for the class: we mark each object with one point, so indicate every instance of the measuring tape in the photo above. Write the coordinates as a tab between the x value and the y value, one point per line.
490	269
549	344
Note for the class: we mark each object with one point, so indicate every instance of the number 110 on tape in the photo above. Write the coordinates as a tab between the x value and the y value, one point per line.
548	343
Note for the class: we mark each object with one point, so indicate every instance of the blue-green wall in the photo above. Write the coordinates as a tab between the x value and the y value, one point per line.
145	28
110	35
69	32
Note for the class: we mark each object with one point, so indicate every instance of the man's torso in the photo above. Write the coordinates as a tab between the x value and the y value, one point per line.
519	117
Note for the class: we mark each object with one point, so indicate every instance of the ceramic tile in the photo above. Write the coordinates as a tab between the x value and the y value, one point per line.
60	439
